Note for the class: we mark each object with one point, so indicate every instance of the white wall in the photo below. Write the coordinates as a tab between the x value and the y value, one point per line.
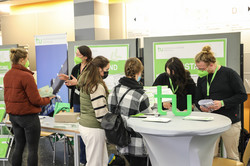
21	27
182	17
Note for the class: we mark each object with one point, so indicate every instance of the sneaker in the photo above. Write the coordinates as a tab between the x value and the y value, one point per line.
81	164
116	160
111	158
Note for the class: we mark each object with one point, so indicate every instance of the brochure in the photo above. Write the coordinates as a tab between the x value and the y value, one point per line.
46	91
199	118
157	119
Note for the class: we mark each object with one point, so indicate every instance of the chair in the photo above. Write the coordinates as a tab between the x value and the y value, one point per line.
218	161
48	135
55	137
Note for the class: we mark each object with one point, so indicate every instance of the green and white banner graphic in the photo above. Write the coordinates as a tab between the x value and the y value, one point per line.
186	52
117	55
52	39
5	63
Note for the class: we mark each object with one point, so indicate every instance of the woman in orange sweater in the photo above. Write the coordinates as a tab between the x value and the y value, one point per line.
23	103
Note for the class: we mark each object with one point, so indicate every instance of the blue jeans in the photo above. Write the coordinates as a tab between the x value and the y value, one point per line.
82	145
27	131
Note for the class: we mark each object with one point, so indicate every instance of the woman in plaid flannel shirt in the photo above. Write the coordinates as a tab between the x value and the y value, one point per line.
135	101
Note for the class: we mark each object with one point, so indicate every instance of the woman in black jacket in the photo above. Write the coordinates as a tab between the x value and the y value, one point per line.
82	58
179	81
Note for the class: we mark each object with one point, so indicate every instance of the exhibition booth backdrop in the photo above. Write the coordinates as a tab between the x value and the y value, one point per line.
158	50
117	51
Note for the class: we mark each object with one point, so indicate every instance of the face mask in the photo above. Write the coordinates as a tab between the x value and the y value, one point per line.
202	73
106	73
139	78
77	60
27	64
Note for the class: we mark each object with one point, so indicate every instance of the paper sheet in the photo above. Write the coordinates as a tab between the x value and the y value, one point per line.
199	118
46	91
152	90
157	119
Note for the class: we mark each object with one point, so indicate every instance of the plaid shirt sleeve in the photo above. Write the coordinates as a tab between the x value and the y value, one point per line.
144	104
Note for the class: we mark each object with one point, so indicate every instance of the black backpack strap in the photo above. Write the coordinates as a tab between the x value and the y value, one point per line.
118	103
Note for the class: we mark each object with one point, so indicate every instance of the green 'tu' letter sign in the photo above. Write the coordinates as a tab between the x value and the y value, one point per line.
159	97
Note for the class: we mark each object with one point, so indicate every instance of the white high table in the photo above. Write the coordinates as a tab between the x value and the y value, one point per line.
181	142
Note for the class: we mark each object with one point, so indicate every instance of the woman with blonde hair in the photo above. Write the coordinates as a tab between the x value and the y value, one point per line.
23	103
93	105
224	86
134	102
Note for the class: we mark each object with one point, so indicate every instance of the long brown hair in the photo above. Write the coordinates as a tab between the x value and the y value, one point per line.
178	74
91	77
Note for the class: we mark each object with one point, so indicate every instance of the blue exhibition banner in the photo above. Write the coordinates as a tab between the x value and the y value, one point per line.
51	59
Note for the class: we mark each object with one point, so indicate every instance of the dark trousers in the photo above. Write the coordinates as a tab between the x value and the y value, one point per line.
82	145
26	130
137	161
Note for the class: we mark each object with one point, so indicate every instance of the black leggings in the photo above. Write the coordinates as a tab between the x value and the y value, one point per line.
26	131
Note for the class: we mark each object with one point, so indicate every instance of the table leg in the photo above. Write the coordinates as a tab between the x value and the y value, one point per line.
76	149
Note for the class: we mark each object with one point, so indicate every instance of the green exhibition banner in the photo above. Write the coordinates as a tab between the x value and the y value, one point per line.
5	63
117	55
186	52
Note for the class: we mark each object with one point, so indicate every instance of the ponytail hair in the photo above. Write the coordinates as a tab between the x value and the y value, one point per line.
133	66
86	51
16	54
206	55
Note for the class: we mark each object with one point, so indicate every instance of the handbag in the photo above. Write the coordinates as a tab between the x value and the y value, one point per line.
48	110
112	123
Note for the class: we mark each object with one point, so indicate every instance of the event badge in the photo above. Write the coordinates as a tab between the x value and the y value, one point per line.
77	92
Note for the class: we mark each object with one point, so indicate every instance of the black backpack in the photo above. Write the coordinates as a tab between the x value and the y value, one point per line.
113	125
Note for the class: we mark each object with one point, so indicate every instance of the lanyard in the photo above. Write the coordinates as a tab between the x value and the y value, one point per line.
172	87
79	72
208	85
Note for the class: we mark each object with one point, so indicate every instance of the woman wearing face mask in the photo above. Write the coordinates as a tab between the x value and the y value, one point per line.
134	102
82	58
180	82
225	87
23	103
93	94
